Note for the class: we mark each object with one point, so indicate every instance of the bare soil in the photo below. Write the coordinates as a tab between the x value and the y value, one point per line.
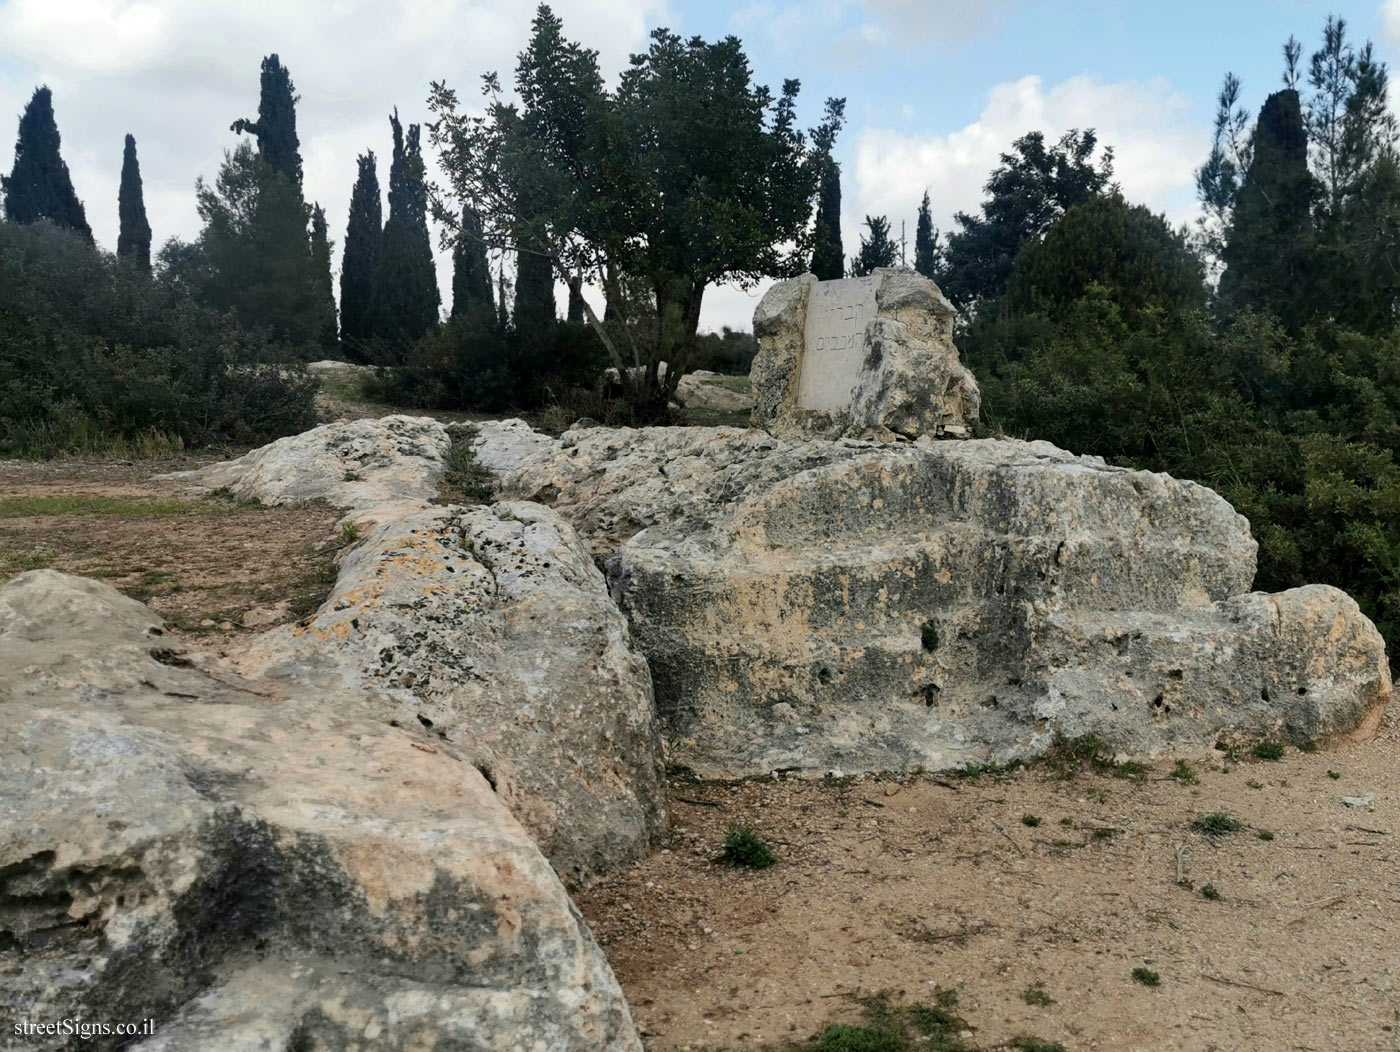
207	566
900	888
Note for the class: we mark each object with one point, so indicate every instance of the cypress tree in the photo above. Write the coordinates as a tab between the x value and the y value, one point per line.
364	238
575	315
39	186
321	274
404	305
276	126
1266	244
828	255
471	274
134	237
534	319
926	248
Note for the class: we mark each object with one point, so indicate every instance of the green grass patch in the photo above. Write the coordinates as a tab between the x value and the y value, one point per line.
1183	773
1264	834
1210	891
465	481
1030	820
743	847
1146	976
1216	823
1268	750
124	507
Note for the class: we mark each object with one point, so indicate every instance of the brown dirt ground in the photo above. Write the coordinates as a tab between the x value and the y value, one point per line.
209	561
901	887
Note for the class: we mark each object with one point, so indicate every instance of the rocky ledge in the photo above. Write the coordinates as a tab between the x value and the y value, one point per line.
820	604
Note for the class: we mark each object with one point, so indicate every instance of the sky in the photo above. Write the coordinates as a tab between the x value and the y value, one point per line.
936	90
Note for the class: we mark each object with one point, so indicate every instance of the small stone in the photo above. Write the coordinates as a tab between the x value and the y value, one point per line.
1359	801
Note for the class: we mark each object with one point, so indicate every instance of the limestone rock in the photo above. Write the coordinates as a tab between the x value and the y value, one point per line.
491	627
259	870
355	464
846	604
868	357
703	389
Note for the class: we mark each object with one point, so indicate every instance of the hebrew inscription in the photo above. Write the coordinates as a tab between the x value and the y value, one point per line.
837	312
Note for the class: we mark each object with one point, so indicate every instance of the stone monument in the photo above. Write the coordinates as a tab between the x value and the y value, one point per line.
868	357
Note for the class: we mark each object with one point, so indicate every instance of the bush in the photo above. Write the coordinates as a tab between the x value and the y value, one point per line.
742	847
95	355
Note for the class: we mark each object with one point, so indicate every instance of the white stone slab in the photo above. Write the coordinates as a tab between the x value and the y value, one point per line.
833	339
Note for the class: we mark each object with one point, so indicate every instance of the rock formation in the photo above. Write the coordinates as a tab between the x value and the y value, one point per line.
861	606
869	357
260	869
491	626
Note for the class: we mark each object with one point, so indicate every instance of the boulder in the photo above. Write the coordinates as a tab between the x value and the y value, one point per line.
869	357
252	868
703	389
818	605
354	464
492	628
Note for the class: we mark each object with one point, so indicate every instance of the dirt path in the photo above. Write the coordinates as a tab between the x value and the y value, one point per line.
211	566
902	889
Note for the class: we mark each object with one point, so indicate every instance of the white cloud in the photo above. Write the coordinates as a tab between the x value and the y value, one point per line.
1389	14
176	74
1156	149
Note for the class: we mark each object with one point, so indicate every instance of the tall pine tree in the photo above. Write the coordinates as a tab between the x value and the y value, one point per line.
134	236
321	272
364	238
276	126
404	304
928	254
39	186
471	274
1266	245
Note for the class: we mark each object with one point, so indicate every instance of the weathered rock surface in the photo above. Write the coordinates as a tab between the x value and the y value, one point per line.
704	389
852	605
256	869
868	357
492	627
394	461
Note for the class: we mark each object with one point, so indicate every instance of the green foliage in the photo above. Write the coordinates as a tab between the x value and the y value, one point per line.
1209	891
876	250
1183	773
1036	997
1146	976
1266	248
928	253
828	254
688	174
321	247
364	238
464	481
94	354
1216	824
1264	834
1030	820
1026	194
276	126
404	301
1267	750
471	273
743	847
134	235
254	256
891	1028
39	186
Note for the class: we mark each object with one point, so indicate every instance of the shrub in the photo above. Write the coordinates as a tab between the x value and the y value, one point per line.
96	355
742	847
1216	824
